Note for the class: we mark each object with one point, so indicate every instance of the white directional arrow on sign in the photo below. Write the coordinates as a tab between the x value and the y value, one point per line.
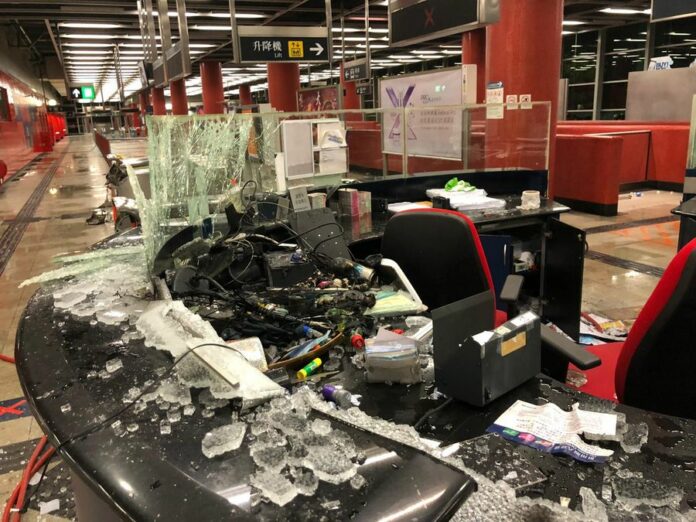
317	48
76	93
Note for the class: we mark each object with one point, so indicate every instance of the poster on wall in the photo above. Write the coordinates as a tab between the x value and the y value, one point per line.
318	99
435	133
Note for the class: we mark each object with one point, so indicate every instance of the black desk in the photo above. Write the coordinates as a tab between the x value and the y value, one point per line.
148	476
687	226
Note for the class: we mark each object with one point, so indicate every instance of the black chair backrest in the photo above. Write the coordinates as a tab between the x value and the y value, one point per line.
440	253
657	364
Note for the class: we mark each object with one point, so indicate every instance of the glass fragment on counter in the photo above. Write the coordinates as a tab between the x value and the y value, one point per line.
223	439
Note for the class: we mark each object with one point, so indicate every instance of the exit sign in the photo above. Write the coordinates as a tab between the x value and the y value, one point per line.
82	92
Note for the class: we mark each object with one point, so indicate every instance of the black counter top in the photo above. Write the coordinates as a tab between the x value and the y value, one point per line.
148	475
372	225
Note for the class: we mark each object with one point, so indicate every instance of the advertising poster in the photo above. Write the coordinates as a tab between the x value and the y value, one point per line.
318	99
435	133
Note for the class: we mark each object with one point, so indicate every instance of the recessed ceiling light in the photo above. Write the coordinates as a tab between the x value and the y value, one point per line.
81	25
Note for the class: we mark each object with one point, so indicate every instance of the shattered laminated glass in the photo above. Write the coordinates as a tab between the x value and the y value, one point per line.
197	166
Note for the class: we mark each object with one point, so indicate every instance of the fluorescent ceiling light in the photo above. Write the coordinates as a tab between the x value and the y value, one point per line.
424	52
673	33
212	27
68	44
242	16
397	56
81	25
86	52
573	22
450	47
624	11
91	36
567	32
201	45
345	30
379	30
451	51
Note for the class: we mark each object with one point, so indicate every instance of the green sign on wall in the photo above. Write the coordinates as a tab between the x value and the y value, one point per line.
82	92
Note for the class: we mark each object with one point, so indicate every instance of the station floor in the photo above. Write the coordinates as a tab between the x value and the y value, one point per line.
43	212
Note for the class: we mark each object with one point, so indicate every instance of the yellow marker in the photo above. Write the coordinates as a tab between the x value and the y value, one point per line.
309	369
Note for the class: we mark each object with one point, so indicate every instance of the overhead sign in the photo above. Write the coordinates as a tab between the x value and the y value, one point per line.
363	89
413	21
82	92
356	70
283	44
670	9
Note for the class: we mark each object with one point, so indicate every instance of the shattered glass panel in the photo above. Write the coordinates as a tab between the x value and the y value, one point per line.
196	166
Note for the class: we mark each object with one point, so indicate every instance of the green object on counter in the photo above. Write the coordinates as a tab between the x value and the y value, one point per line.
455	185
309	369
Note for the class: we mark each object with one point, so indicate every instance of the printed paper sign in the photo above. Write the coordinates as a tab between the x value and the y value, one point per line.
525	101
511	102
430	132
495	110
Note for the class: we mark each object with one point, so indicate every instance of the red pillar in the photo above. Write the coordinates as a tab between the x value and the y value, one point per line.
159	108
144	101
283	86
177	94
523	51
474	52
211	82
245	95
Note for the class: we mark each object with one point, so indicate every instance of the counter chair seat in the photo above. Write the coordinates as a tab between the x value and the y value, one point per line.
654	367
441	254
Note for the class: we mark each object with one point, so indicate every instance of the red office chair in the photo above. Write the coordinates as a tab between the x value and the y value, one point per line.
441	254
654	368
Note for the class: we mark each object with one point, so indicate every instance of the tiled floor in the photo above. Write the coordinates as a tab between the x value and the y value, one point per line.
58	225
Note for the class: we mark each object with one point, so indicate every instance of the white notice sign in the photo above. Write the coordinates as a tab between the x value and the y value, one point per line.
495	110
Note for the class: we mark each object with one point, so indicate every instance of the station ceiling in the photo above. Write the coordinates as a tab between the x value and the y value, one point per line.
78	36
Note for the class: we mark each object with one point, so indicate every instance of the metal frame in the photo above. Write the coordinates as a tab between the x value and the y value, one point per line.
487	12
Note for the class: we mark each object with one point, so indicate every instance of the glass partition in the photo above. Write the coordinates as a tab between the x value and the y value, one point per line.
691	162
201	164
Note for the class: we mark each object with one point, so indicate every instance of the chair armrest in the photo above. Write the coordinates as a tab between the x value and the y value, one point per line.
568	349
510	292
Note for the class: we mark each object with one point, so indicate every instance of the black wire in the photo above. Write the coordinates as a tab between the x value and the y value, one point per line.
149	389
432	412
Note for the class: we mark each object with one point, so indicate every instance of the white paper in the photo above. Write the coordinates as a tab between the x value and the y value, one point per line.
525	101
549	422
495	110
512	102
49	507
